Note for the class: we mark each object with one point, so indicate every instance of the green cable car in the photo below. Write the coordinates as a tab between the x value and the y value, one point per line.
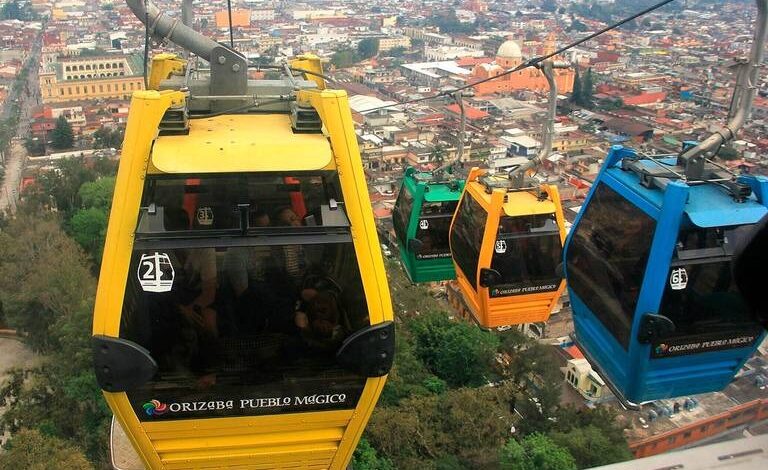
422	218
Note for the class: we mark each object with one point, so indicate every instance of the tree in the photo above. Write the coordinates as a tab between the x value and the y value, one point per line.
47	291
591	446
535	452
409	377
398	51
105	137
466	424
457	352
97	194
32	450
587	89
366	458
62	136
367	48
593	436
343	58
43	276
34	146
549	5
89	229
576	93
578	26
16	10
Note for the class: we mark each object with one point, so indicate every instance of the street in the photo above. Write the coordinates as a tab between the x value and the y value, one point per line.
17	154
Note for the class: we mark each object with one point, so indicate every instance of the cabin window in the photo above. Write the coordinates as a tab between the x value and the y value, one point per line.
607	258
432	229
526	254
402	214
239	202
701	297
467	236
247	323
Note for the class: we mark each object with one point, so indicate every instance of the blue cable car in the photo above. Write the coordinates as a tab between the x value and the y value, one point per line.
648	265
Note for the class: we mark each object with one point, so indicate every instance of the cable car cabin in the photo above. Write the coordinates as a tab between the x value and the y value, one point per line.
648	265
243	317
506	245
422	218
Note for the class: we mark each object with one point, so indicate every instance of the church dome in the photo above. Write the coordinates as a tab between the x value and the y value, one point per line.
509	50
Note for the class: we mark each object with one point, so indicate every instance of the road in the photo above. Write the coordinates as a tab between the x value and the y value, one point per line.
17	154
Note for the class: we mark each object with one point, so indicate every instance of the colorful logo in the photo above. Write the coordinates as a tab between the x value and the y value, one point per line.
155	408
662	348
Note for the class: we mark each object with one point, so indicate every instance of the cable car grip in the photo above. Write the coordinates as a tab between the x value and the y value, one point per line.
369	351
120	364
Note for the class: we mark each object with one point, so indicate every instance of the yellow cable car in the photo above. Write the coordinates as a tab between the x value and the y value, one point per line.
506	245
243	318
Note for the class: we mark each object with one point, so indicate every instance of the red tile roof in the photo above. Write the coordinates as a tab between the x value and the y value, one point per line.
472	114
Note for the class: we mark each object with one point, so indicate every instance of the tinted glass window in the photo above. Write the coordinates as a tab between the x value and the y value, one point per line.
526	253
467	237
432	229
244	330
706	302
224	202
402	214
607	259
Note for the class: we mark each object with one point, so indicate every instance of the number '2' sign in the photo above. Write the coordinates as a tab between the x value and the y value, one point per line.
156	272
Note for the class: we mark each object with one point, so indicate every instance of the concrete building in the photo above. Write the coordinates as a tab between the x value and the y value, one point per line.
392	42
78	78
510	56
583	379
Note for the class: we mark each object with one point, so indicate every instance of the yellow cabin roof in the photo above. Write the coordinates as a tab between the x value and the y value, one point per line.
517	203
241	143
525	203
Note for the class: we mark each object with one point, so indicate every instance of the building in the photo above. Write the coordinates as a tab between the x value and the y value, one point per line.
450	52
392	42
240	19
92	77
583	379
751	412
266	14
435	74
509	56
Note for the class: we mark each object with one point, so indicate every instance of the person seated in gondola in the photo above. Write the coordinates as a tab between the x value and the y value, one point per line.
188	315
319	319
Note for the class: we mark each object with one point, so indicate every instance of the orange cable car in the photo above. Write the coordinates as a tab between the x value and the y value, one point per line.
506	245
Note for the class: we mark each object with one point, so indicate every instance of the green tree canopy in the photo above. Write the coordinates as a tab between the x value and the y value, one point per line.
367	48
97	194
366	458
32	450
89	229
47	290
457	352
576	93
468	424
535	452
588	89
62	136
591	446
549	5
105	137
343	58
